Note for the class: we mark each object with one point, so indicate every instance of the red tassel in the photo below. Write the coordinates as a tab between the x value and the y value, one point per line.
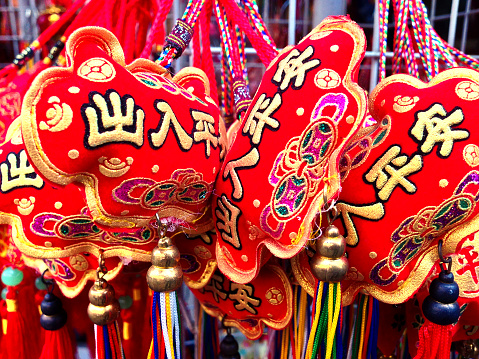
58	344
108	340
14	343
434	341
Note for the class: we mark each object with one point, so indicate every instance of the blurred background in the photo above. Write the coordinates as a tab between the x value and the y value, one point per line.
288	21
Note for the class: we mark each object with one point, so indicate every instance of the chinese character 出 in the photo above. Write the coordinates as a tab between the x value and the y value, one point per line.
17	172
110	118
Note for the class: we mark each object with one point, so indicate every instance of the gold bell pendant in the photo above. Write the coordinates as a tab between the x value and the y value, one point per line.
104	308
165	274
329	263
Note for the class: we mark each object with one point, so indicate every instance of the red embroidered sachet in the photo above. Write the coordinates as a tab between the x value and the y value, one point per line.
287	149
135	141
267	300
418	185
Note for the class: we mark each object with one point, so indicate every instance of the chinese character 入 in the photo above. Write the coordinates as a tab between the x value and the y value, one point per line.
249	160
168	119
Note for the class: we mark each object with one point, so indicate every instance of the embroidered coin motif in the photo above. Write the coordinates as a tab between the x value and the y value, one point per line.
467	90
79	263
471	154
274	296
327	79
97	70
290	196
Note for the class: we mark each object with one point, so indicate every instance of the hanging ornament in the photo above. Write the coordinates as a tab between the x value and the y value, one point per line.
164	278
103	311
329	265
229	348
427	202
115	160
441	306
53	319
17	326
441	311
275	149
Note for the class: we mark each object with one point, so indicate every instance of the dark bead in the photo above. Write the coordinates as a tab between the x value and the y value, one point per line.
440	313
229	348
51	305
53	315
53	322
446	277
444	292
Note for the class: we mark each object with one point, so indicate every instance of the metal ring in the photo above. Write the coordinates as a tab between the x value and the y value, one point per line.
226	327
333	214
161	226
447	260
50	283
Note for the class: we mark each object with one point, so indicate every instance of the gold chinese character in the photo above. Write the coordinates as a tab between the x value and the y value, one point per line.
158	136
227	221
391	170
471	329
123	124
19	173
260	116
247	161
295	66
372	211
434	126
205	130
242	294
215	286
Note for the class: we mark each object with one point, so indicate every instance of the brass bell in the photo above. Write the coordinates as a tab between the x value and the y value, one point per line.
104	308
165	274
329	263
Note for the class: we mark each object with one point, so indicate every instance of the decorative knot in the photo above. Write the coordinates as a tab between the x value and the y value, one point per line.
179	37
241	95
